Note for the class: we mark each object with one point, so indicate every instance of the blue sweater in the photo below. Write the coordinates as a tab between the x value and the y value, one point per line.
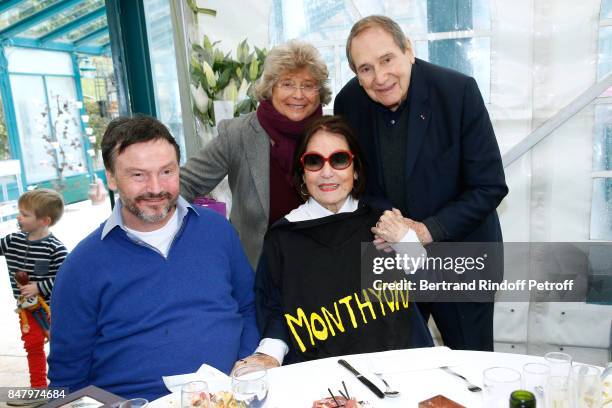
123	315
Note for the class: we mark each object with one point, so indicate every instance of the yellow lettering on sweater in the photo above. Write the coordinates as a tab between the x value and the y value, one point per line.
320	325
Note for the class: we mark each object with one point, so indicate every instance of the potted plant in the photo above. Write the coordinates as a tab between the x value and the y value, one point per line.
221	86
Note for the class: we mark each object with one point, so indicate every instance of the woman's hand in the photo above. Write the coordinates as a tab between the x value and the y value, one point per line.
257	358
391	228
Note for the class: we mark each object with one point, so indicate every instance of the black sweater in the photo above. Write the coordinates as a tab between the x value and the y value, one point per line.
309	291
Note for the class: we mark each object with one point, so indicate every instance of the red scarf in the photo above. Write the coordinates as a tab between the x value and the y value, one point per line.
284	132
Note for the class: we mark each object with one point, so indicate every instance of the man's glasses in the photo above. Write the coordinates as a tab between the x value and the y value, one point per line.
339	160
290	87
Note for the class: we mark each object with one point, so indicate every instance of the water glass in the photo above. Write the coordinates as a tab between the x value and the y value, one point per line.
559	392
588	386
560	363
195	394
534	380
499	382
134	403
250	385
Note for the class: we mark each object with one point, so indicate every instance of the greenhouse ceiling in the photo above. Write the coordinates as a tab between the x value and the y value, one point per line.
59	25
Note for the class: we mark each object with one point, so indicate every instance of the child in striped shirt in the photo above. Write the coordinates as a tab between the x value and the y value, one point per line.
35	251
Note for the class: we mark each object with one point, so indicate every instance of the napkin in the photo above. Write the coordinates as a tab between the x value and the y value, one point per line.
398	361
216	380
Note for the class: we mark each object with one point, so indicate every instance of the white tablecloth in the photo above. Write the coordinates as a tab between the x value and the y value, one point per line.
413	372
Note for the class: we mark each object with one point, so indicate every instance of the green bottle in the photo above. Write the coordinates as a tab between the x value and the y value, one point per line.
522	399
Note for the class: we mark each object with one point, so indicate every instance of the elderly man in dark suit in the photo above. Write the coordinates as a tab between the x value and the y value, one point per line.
431	153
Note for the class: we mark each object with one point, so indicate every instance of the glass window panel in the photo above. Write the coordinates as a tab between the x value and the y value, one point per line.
602	138
101	41
23	10
421	50
62	18
66	120
345	71
410	15
452	54
32	122
470	56
458	15
164	70
481	14
604	60
20	61
314	20
449	15
84	30
327	23
600	275
601	209
606	9
328	55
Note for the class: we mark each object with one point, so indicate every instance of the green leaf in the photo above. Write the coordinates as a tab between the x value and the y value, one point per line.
207	44
218	56
244	107
240	51
224	78
193	61
253	69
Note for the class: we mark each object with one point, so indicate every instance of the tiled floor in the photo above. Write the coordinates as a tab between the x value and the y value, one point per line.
78	221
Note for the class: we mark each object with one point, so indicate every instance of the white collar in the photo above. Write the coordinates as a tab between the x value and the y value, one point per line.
311	210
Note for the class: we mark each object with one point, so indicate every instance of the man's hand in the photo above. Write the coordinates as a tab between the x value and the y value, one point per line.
257	358
420	229
390	227
29	290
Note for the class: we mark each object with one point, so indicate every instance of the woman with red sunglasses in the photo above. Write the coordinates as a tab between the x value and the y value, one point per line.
309	291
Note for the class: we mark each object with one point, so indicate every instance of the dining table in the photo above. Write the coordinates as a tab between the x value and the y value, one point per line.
415	373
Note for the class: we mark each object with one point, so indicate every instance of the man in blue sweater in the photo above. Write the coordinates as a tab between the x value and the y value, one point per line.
158	289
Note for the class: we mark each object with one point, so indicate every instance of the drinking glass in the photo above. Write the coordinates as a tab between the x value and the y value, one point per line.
195	394
534	380
134	403
588	386
560	363
250	385
499	382
559	392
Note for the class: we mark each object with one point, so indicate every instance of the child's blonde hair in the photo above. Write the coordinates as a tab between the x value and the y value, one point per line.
44	203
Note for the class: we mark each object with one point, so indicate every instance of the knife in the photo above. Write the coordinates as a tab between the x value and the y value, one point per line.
361	378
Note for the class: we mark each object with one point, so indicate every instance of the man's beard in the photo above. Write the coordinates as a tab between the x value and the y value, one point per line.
130	205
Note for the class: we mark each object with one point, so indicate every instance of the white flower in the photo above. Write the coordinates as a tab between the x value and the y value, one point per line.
199	97
242	92
230	93
210	75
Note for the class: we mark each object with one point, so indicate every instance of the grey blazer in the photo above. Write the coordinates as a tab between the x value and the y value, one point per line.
242	152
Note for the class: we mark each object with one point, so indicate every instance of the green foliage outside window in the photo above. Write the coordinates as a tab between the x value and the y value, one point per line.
97	122
4	142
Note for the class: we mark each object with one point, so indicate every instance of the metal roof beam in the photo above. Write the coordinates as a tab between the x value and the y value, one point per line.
5	5
73	25
91	36
37	18
55	46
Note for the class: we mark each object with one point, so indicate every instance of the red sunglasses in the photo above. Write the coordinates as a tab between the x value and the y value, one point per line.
339	160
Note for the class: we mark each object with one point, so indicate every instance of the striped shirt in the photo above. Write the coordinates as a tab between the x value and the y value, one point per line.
41	259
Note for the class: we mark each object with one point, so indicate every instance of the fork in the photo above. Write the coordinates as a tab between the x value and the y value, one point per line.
470	386
388	392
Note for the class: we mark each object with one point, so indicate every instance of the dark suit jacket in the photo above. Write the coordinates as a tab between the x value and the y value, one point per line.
455	178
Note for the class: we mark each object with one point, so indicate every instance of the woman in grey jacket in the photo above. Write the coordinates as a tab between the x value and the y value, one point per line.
256	150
